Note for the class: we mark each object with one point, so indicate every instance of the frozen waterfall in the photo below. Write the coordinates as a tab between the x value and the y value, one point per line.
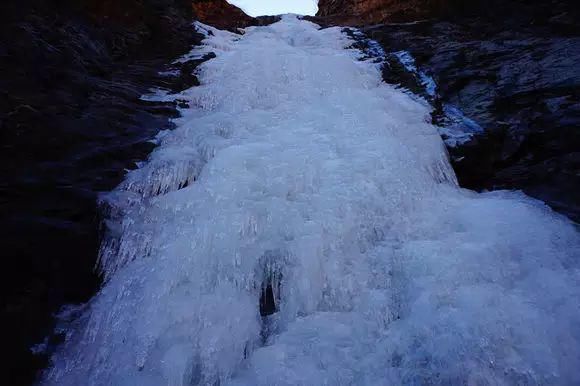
297	178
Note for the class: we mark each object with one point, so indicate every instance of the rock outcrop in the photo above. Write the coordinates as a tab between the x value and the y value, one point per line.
223	15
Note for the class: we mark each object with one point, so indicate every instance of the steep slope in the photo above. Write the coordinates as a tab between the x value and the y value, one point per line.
302	225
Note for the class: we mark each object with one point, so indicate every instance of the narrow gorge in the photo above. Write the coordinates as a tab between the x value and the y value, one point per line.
384	193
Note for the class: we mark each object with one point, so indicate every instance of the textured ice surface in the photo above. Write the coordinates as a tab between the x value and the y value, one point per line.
457	129
297	168
427	81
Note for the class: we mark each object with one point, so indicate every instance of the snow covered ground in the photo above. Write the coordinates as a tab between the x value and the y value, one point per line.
295	167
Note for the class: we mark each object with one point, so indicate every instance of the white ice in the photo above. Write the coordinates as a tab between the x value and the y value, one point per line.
458	129
427	81
296	166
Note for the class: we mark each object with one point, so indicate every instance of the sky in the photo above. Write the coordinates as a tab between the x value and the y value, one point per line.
276	7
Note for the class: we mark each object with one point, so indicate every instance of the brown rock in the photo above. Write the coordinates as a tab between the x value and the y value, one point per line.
365	12
368	12
222	15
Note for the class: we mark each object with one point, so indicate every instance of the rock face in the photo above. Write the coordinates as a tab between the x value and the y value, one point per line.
364	12
223	15
71	120
367	12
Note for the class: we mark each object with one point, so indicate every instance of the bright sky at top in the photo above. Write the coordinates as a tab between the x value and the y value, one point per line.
276	7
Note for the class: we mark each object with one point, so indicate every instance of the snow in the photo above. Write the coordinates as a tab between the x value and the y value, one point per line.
297	167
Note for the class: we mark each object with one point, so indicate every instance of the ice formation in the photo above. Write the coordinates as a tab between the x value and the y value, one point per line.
456	129
297	173
426	81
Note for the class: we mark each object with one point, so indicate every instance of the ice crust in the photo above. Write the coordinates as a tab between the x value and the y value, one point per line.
296	167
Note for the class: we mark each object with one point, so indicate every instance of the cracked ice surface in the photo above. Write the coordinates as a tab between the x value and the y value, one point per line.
297	167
